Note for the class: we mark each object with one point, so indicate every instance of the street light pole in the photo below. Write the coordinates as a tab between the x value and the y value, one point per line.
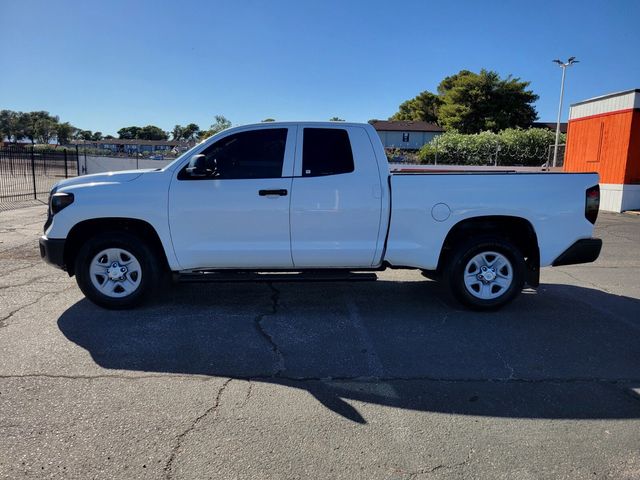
564	66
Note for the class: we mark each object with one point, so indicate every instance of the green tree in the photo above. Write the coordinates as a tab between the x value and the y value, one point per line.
449	82
26	122
84	135
187	133
176	133
44	126
96	136
39	126
151	132
221	123
422	107
268	120
473	102
190	132
23	128
336	119
129	133
64	132
5	124
10	125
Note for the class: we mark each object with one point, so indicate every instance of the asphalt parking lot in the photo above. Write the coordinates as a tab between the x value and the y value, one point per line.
371	380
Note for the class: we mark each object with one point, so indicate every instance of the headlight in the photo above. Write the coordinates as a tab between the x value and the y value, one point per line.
59	201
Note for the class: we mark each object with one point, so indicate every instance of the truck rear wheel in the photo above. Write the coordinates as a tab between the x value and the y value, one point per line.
116	270
485	273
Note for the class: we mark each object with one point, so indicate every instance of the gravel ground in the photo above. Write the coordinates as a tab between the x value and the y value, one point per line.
386	379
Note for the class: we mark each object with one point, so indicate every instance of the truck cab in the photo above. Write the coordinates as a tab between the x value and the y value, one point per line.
281	196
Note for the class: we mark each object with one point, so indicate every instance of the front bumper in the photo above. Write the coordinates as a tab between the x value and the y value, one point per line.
582	251
52	251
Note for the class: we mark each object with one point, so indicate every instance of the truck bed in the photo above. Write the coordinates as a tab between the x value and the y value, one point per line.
427	204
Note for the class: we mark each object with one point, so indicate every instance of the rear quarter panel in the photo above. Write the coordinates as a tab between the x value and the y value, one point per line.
553	204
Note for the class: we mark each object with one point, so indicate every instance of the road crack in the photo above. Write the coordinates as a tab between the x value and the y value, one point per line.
441	466
507	365
248	396
583	280
24	267
31	281
168	469
275	303
5	319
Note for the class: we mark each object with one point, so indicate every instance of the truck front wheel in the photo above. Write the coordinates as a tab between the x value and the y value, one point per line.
486	272
116	270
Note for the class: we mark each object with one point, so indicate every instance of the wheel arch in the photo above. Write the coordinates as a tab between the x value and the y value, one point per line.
86	229
517	230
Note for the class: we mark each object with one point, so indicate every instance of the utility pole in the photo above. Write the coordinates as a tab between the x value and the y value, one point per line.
564	66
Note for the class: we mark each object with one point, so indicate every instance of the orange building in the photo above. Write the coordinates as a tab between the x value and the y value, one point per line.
604	137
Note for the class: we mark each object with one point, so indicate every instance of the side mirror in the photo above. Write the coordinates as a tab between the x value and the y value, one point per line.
198	167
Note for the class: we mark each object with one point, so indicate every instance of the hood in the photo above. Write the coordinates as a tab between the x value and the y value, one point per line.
102	178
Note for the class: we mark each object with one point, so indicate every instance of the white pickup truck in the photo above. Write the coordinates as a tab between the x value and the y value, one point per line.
307	200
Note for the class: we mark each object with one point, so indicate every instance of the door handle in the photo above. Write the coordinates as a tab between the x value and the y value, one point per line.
281	192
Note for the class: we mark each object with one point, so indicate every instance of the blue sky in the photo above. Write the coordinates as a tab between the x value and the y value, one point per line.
106	64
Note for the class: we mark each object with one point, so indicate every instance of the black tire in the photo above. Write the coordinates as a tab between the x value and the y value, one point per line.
462	255
150	277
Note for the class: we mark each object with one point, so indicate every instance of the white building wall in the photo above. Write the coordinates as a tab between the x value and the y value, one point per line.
94	164
619	198
606	104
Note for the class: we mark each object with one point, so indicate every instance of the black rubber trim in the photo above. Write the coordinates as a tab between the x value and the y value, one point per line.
582	251
328	275
52	251
47	224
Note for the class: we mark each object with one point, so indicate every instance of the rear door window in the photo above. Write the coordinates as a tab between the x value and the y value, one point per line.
326	151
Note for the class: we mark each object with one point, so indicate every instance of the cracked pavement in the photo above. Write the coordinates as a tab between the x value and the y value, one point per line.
385	380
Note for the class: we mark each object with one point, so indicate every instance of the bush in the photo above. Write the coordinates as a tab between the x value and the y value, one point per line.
399	155
45	147
513	146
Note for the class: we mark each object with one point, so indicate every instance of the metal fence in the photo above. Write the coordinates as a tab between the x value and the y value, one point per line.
562	148
493	155
28	173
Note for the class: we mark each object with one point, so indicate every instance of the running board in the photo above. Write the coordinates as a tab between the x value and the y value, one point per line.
304	276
